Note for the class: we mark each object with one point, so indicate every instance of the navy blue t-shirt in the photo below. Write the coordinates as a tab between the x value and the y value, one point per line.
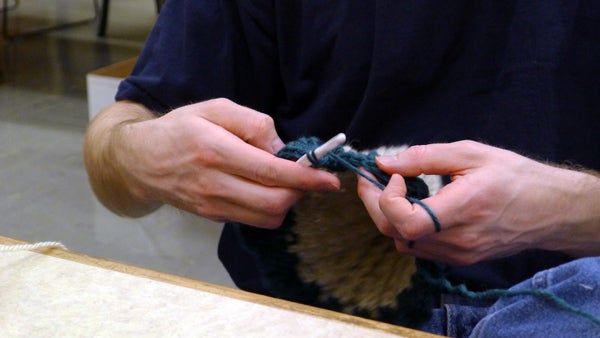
523	75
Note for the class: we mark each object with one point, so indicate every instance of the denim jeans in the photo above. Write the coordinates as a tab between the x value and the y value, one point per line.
577	283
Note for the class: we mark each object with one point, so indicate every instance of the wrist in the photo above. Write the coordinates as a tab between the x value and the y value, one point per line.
105	159
126	140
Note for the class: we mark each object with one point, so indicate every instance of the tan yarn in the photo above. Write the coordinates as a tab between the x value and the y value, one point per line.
340	248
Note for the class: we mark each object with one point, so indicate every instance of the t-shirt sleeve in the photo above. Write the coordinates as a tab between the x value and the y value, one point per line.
200	50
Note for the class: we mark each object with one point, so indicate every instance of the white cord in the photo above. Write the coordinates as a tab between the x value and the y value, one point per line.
22	247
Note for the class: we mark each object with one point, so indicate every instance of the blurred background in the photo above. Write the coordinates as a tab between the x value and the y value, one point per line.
47	49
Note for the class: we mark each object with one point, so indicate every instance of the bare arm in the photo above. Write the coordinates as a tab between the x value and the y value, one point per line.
498	203
213	158
107	177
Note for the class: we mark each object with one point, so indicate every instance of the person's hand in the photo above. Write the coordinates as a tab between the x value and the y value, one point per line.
498	203
215	159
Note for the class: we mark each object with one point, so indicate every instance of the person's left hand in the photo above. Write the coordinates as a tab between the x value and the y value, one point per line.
498	203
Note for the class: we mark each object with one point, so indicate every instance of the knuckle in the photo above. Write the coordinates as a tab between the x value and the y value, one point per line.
466	241
362	190
277	206
387	230
410	233
206	208
385	202
261	122
220	103
417	152
265	173
208	157
207	187
468	144
470	149
274	208
397	223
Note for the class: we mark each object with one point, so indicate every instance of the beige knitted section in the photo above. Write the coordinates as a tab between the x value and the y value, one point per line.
340	248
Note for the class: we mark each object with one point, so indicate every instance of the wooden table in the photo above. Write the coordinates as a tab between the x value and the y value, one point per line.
49	293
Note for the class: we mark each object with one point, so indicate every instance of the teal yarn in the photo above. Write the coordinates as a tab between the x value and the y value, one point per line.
551	298
339	160
350	166
278	265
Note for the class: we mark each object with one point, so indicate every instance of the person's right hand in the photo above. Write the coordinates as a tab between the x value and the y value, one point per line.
215	159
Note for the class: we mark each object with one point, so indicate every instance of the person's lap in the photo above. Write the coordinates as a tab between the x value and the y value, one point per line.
577	283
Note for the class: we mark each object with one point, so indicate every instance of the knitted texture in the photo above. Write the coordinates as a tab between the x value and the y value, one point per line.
332	256
312	258
334	161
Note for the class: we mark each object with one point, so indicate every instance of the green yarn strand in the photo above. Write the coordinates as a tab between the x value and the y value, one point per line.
356	170
492	294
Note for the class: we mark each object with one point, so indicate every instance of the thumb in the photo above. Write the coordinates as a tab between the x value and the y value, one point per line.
411	220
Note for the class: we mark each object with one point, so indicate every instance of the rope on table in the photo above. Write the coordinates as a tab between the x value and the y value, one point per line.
32	246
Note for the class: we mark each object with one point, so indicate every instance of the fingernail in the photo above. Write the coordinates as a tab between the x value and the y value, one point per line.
386	159
332	187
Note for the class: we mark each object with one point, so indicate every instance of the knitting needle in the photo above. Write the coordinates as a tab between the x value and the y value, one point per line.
322	150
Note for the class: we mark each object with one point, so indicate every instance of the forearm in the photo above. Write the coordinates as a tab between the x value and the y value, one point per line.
578	233
103	153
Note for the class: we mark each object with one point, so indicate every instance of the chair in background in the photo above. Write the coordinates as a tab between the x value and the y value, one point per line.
104	15
10	5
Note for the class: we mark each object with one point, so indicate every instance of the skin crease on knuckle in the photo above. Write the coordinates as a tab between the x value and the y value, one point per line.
277	203
260	123
218	105
400	217
256	126
469	241
471	151
387	229
416	154
265	174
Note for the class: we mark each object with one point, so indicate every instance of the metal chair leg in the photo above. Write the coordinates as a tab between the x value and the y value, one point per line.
103	19
101	32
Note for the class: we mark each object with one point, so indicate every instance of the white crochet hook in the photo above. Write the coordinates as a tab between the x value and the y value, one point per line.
322	150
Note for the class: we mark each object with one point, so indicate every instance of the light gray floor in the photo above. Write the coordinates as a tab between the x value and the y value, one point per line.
44	194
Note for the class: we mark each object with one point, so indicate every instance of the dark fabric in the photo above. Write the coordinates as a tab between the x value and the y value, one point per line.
240	261
523	75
